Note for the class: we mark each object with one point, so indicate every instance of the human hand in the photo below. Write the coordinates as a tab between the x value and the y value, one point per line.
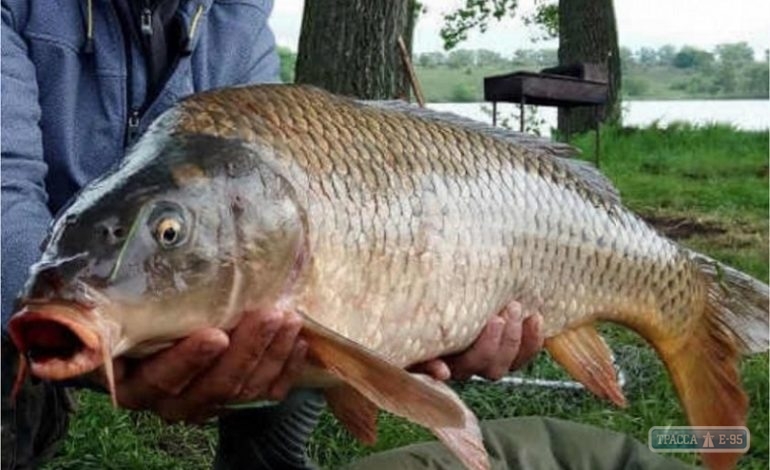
191	381
507	342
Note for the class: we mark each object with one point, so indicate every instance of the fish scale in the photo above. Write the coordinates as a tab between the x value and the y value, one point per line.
482	208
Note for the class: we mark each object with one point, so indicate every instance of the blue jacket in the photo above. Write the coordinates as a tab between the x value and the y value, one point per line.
67	100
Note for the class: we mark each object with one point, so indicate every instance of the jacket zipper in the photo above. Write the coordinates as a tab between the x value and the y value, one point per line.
135	116
145	20
132	126
132	121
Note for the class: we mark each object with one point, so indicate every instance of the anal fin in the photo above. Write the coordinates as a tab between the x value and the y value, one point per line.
355	411
587	358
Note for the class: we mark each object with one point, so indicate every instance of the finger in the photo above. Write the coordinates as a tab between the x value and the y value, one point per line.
256	383
272	361
480	354
168	372
531	341
510	342
251	338
436	368
291	372
173	369
225	380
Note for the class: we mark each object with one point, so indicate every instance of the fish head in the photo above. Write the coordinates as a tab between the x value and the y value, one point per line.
164	245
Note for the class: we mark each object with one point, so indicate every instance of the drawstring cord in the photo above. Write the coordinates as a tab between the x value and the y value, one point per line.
88	48
193	29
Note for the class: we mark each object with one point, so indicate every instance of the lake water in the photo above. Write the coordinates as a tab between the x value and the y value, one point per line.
743	114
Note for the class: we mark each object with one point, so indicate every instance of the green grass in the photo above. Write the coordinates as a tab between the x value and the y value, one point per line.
444	84
713	180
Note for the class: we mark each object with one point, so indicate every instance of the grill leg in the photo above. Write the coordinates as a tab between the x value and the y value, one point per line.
597	136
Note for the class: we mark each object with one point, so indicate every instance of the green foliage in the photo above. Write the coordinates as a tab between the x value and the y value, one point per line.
474	14
697	85
626	58
635	87
431	59
646	74
647	56
726	78
462	93
757	77
540	57
689	57
666	54
729	72
545	18
288	64
487	58
735	54
461	58
478	13
532	120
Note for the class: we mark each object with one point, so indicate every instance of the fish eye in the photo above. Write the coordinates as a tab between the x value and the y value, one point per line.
168	231
168	224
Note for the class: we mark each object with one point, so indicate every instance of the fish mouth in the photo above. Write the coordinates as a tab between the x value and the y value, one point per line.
59	341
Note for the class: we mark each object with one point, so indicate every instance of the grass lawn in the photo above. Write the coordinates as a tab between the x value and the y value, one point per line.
707	187
444	84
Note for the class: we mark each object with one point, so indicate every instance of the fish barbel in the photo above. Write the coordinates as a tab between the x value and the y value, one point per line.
396	237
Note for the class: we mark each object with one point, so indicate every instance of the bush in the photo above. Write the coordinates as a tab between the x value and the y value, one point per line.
679	85
636	86
463	93
288	63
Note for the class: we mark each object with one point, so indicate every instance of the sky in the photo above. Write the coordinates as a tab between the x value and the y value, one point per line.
641	23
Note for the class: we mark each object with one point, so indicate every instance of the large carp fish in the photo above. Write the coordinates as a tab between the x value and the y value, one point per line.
396	237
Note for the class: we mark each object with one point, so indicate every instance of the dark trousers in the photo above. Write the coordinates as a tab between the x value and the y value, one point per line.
532	443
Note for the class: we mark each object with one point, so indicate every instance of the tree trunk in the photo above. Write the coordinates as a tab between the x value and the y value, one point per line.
350	47
588	33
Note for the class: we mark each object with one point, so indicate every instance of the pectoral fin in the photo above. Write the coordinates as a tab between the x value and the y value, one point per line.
419	399
585	355
466	442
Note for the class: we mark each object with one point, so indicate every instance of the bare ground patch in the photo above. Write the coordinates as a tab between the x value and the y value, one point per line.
714	232
678	227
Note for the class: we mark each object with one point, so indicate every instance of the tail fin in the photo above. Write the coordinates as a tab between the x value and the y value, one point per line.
704	363
742	303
